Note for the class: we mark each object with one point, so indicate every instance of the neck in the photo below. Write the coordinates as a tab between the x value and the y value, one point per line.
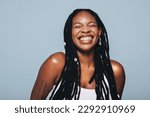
86	59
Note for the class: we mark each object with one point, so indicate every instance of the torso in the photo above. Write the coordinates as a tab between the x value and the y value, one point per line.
87	73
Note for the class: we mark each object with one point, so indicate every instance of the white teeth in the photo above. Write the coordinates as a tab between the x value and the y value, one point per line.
86	38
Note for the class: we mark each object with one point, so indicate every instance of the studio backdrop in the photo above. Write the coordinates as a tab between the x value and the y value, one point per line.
31	30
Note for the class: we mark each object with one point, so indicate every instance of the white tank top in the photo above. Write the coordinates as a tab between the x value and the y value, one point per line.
87	94
90	94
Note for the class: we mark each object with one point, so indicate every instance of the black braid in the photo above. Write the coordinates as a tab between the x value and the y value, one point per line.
68	86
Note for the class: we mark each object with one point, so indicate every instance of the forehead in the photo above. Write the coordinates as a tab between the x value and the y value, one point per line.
83	15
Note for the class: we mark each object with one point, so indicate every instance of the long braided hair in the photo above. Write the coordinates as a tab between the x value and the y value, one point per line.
68	85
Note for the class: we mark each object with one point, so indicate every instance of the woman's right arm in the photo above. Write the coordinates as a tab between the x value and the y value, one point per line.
48	75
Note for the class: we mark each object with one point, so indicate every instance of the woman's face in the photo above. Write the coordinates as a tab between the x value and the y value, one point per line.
85	32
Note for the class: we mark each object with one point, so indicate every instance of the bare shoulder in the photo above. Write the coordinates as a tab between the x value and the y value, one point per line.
48	74
117	68
53	66
119	74
57	59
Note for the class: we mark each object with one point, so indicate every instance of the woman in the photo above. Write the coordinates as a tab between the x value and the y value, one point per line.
84	65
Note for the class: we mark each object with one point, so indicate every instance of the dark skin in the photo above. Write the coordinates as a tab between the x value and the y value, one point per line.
55	63
85	35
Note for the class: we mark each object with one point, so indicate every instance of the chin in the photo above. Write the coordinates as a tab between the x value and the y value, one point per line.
85	50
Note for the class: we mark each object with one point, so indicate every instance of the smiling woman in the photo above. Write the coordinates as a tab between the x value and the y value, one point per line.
85	67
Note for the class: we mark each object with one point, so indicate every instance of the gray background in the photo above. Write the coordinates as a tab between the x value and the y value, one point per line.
31	30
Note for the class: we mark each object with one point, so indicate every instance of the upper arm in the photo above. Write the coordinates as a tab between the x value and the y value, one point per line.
119	75
48	73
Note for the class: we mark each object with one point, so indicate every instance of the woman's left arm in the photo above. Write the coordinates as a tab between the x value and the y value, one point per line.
119	75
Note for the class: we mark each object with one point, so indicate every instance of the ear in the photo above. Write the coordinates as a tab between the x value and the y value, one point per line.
99	32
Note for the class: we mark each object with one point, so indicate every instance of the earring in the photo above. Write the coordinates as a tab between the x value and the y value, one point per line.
64	43
99	39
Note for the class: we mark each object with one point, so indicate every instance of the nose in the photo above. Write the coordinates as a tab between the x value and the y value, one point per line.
85	30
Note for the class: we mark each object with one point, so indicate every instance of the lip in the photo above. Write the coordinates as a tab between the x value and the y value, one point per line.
91	36
86	39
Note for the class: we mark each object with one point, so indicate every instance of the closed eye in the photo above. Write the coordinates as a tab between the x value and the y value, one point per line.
77	26
92	25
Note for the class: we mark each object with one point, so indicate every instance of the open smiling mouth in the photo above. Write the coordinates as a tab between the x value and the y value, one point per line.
85	38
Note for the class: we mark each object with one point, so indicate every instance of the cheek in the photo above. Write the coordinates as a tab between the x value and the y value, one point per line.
74	33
